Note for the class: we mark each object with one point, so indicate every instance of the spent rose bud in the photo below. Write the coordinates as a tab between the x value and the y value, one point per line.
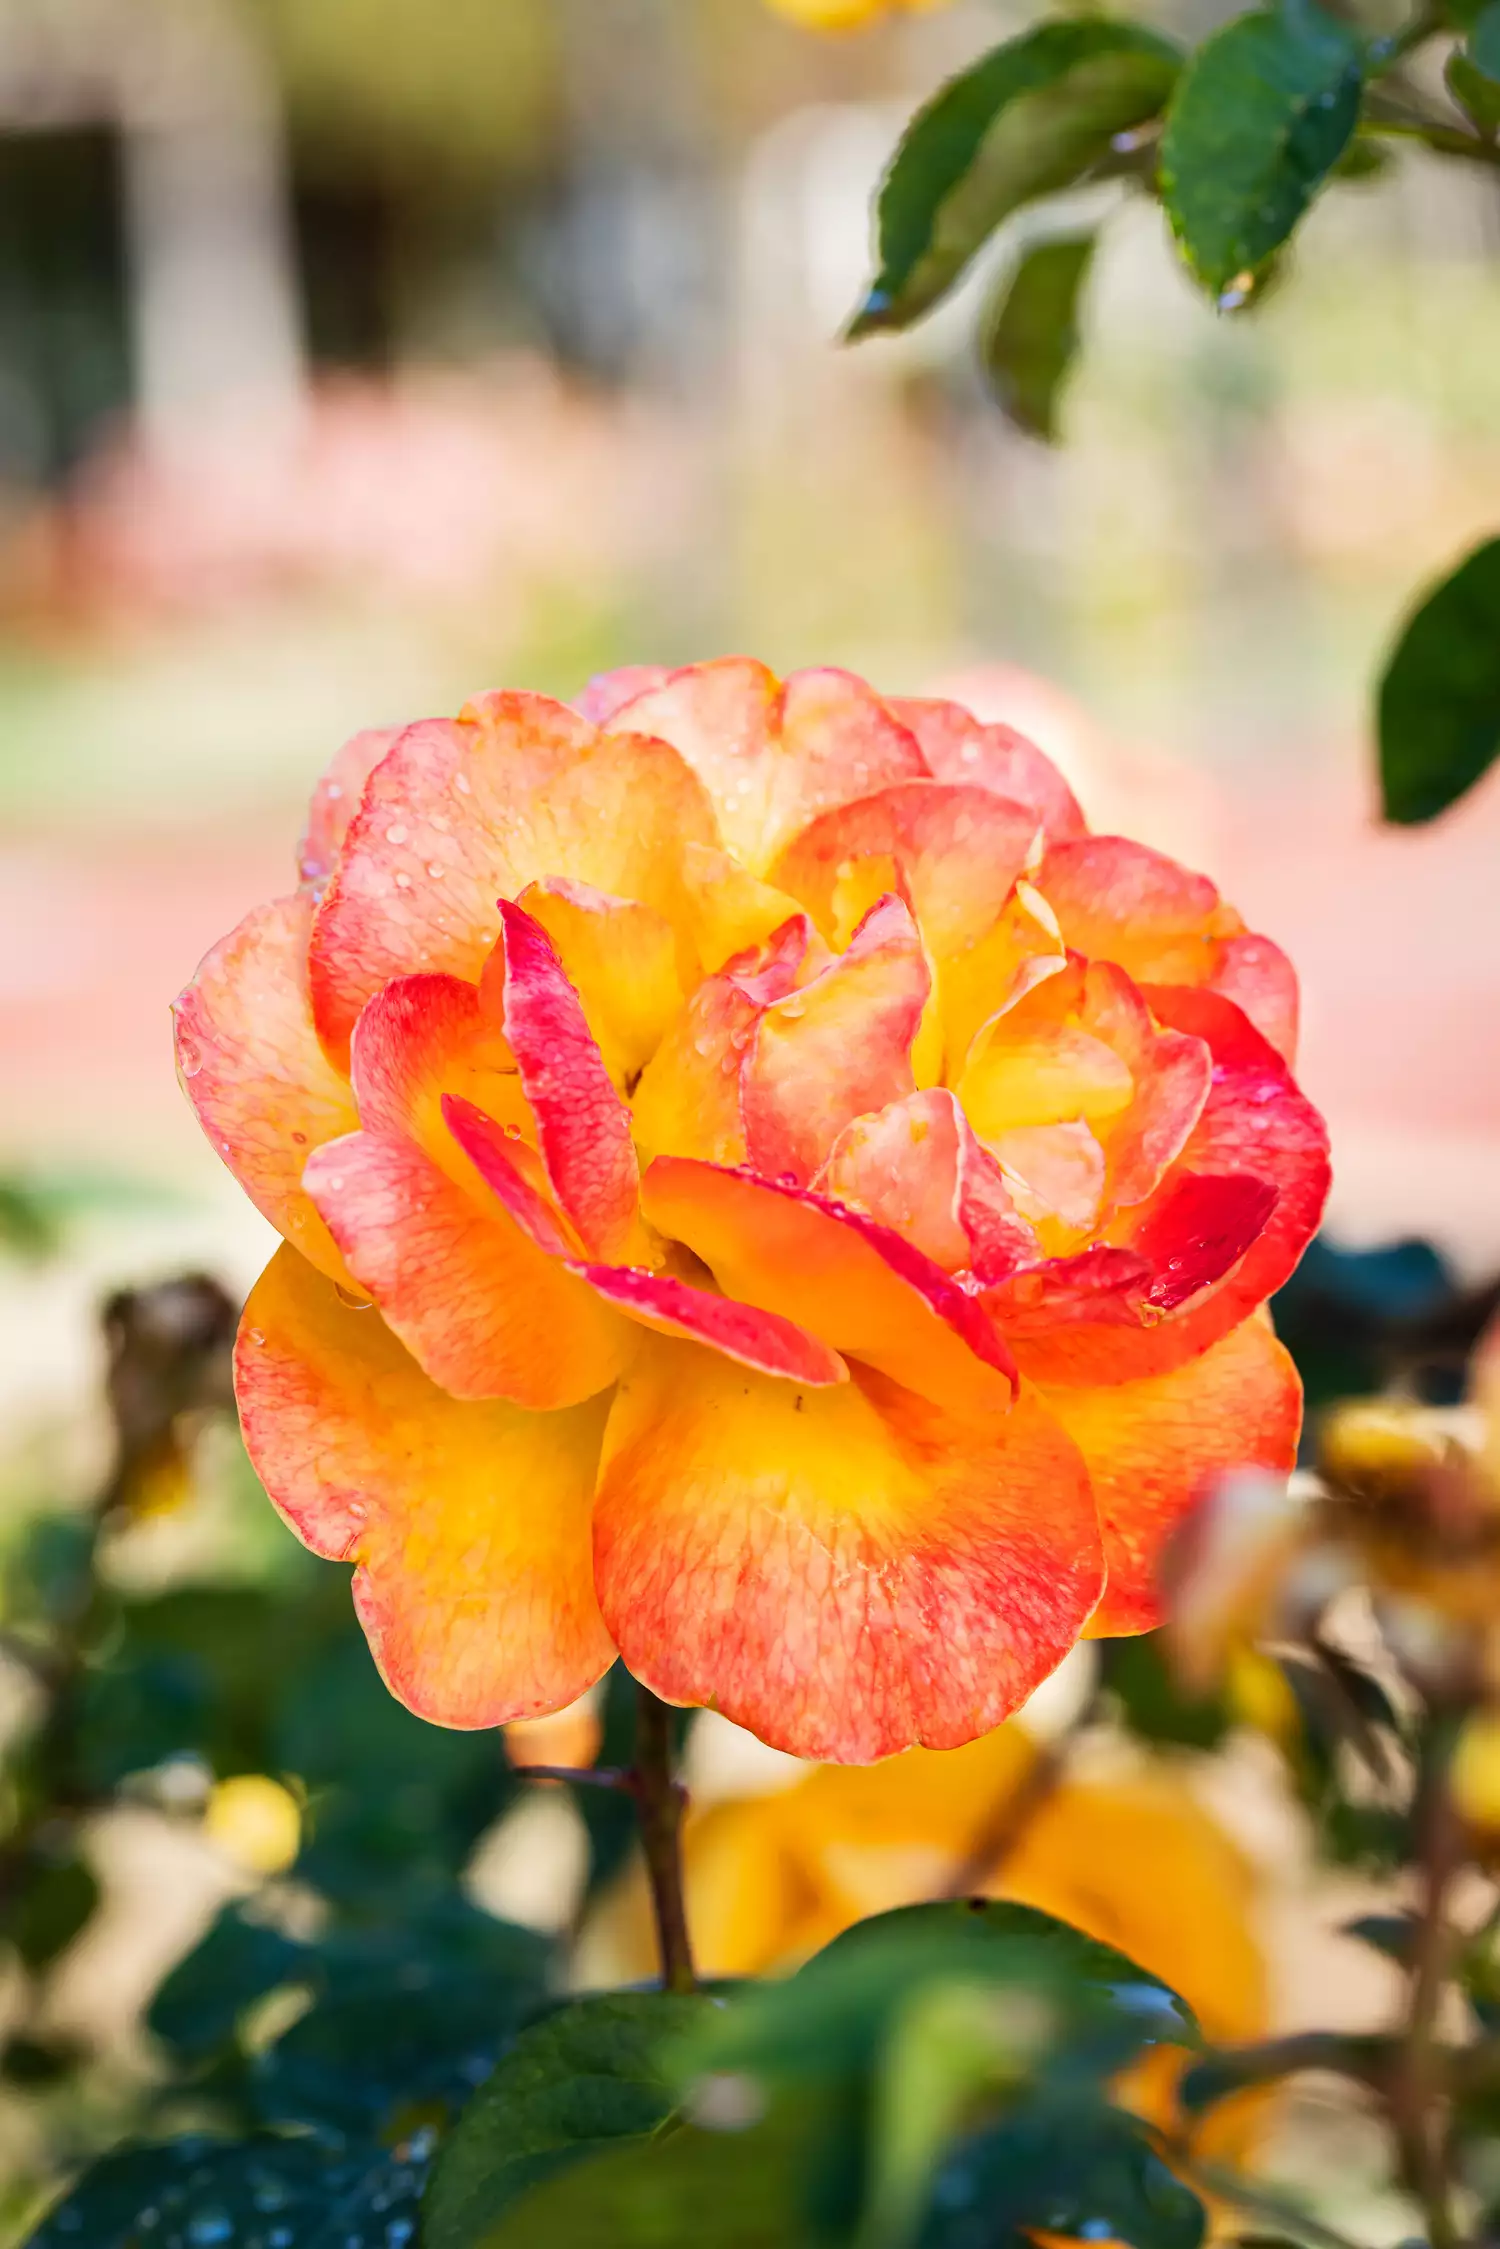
766	1194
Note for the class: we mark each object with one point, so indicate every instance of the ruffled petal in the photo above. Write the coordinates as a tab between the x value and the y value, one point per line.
582	1125
917	1167
260	1084
954	851
774	756
335	801
1211	1219
469	1524
844	1571
462	812
1170	1072
1155	1448
762	1340
836	1048
958	747
867	1292
484	1311
622	961
426	1037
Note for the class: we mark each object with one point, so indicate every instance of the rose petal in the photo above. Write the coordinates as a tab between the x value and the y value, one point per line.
1154	1448
774	756
1120	901
762	1340
251	1066
835	1048
1262	982
958	747
607	691
1198	1229
496	1156
583	1127
335	801
917	1167
460	812
953	851
469	1524
621	960
483	1310
863	1289
730	911
844	1571
424	1037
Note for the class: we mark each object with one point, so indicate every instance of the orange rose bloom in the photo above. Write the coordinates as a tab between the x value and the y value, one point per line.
767	1195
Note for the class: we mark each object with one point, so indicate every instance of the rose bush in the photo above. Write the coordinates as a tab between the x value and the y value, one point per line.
766	1193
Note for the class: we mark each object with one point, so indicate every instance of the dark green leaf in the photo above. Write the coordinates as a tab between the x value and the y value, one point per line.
1363	159
1439	703
1032	116
225	2194
583	2077
188	1677
1137	1675
1078	2168
199	2005
1218	2075
1260	117
1031	333
55	1904
406	2021
1392	1934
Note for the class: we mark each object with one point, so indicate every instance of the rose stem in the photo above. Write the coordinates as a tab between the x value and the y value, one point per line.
661	1800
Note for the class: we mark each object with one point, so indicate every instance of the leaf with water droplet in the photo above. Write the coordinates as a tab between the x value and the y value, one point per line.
1260	117
1034	115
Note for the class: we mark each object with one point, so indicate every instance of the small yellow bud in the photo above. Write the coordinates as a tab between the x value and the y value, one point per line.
1475	1775
255	1822
1380	1448
1257	1692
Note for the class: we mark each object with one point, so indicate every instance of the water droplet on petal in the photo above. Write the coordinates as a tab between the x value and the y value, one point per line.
396	833
403	879
189	1054
463	784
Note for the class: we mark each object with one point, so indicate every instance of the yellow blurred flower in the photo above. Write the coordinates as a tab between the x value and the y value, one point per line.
1136	1862
1475	1774
256	1822
845	15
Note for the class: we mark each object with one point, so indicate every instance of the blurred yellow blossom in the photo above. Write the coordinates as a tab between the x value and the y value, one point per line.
845	15
1475	1774
1135	1862
256	1822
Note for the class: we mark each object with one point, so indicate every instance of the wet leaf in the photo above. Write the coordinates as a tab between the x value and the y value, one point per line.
1262	114
1033	116
1031	334
586	2076
1439	699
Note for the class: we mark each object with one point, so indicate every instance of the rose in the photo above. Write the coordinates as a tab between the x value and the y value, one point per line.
766	1194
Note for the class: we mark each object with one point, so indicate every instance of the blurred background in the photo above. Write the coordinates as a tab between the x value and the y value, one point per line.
356	355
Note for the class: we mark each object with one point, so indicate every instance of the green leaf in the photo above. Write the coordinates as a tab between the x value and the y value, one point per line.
1030	336
198	2006
1476	94
583	2077
1137	1675
1439	700
1260	117
216	2194
1392	1934
830	2019
55	1904
685	2189
1032	116
1073	2167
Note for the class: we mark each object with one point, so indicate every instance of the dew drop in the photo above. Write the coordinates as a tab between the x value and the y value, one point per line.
347	1296
396	833
257	1336
403	879
434	870
333	790
463	784
189	1054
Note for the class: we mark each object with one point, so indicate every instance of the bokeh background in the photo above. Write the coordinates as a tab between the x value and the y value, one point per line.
356	355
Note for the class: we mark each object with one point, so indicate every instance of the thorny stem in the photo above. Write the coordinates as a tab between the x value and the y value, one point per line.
1418	2094
661	1801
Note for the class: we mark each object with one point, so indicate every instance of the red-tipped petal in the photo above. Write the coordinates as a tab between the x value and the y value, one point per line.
622	961
1197	1229
1262	982
483	1310
336	799
752	1338
861	1287
425	1036
583	1127
844	1571
469	1524
494	1152
917	1167
259	1083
